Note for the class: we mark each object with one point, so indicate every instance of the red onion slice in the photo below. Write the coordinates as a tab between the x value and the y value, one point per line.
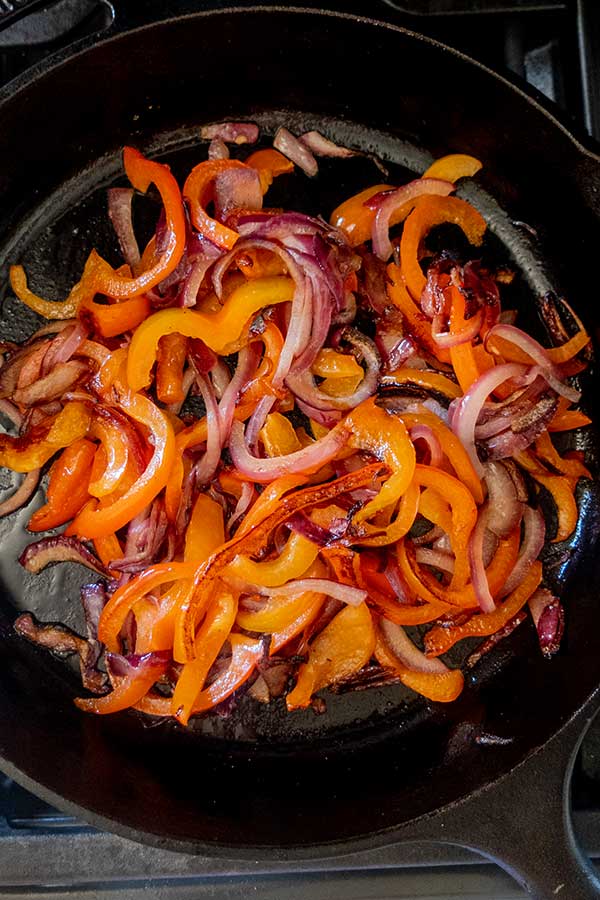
549	619
235	189
309	459
343	592
217	149
534	534
207	466
464	336
246	498
297	152
119	213
322	146
438	559
57	549
231	132
52	386
504	508
425	433
405	651
22	494
390	202
246	365
478	573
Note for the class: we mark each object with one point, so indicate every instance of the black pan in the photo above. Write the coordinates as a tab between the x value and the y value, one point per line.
487	772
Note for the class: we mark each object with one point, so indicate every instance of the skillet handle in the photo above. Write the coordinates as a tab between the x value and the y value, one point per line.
523	822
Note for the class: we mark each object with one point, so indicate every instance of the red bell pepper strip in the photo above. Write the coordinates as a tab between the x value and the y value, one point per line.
68	487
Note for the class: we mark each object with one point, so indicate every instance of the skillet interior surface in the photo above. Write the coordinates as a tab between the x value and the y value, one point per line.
377	758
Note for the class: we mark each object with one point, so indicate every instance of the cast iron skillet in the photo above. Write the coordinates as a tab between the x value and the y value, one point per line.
489	772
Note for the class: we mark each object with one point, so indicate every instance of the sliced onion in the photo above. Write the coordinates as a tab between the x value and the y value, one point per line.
309	459
326	417
504	508
455	339
301	524
22	494
119	213
405	651
52	386
64	346
322	146
549	619
120	666
534	534
200	263
257	420
246	365
57	549
296	151
343	592
391	202
245	499
438	559
425	433
207	466
476	564
217	149
237	188
11	412
523	430
466	411
231	132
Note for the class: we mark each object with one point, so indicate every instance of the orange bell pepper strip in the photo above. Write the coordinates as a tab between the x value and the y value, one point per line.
452	448
50	309
127	691
453	167
278	436
547	452
107	473
338	652
269	163
441	687
212	635
245	654
401	525
278	613
429	212
468	361
108	549
297	556
423	378
376	430
354	218
113	319
565	419
249	542
197	192
217	330
31	450
67	488
433	507
558	355
269	499
95	522
306	616
170	362
464	515
331	364
189	437
439	640
566	505
416	321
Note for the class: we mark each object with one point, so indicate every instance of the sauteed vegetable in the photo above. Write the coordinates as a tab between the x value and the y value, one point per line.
300	454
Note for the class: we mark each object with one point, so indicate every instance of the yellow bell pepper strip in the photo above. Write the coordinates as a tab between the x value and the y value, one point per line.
433	507
338	652
423	378
277	613
452	448
245	654
547	452
429	212
439	640
354	218
113	319
217	330
206	530
453	167
416	321
558	355
247	543
376	430
401	525
197	193
116	610
211	636
269	163
278	436
331	364
31	450
50	309
468	361
309	606
127	691
94	522
268	501
566	506
441	687
341	387
170	363
67	488
297	556
189	437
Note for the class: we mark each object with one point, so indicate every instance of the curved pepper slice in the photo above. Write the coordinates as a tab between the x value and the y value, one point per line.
269	163
441	687
217	330
296	557
354	218
170	363
113	319
418	323
405	517
189	437
468	361
113	443
453	167
432	211
31	450
440	640
67	488
374	429
245	654
212	635
93	522
423	378
566	505
127	690
197	192
338	652
278	436
306	616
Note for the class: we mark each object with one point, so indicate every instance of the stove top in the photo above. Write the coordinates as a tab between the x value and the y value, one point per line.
555	45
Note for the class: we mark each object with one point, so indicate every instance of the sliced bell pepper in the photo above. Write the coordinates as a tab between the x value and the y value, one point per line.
127	690
441	687
439	640
354	218
453	167
217	330
566	505
197	193
67	488
331	364
94	522
423	378
278	436
113	319
245	654
558	355
51	309
417	322
114	447
308	612
297	556
565	419
269	163
212	635
468	361
170	362
189	437
432	211
405	517
374	429
108	549
546	451
338	652
31	450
